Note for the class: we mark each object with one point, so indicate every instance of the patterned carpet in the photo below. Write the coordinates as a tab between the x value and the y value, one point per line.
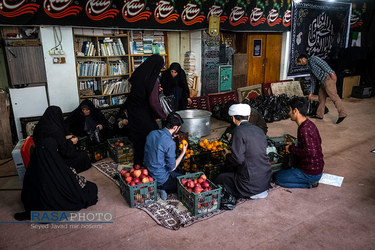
171	213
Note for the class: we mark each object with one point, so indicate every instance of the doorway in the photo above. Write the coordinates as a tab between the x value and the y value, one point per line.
264	55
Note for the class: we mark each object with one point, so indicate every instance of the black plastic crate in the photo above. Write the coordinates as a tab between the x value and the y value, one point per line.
123	153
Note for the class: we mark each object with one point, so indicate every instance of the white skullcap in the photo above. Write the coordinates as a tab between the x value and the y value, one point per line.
239	109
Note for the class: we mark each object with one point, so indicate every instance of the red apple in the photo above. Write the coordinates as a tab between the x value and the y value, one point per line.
197	190
205	184
198	185
123	172
127	175
132	183
183	182
142	176
132	170
191	184
128	179
145	172
190	189
200	180
204	177
145	180
121	144
150	179
137	173
137	166
209	188
137	180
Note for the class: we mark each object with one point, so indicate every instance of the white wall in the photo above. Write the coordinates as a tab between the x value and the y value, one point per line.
61	78
196	47
285	52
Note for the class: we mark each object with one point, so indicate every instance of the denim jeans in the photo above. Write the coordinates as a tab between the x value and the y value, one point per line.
170	186
295	178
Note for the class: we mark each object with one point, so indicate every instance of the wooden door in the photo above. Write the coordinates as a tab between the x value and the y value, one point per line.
256	55
264	55
273	57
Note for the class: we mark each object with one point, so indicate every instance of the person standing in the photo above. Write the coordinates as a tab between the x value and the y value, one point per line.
160	155
310	163
142	104
252	170
173	81
323	74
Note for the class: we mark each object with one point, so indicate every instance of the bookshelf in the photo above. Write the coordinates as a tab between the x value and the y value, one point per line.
105	60
143	44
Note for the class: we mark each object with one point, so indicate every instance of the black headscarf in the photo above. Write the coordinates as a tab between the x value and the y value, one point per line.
75	123
51	124
144	77
169	83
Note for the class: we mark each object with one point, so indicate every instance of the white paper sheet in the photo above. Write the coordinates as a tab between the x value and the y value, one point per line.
333	180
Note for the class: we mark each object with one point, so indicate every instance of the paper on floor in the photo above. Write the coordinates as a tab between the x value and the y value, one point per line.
330	179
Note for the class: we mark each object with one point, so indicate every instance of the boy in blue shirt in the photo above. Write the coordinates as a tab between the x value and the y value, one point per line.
160	155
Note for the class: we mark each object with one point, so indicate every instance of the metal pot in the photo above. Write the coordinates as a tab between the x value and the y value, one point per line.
196	122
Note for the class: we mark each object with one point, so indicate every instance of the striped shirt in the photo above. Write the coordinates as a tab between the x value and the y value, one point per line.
319	70
308	149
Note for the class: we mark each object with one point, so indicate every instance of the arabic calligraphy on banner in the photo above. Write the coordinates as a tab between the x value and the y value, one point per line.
318	29
242	15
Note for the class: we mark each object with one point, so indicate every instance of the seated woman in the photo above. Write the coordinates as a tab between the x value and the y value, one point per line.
51	185
85	120
173	81
51	125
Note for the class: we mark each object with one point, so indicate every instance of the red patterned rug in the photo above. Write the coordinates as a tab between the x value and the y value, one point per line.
171	213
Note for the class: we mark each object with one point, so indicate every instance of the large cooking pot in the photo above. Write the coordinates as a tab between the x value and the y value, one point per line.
196	122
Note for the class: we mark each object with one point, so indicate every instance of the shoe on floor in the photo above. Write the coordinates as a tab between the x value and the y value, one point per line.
163	194
259	196
316	117
315	184
340	119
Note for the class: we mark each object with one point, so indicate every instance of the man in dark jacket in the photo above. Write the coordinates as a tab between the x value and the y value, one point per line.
252	170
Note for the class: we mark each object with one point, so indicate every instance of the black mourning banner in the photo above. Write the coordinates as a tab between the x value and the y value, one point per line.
318	28
241	15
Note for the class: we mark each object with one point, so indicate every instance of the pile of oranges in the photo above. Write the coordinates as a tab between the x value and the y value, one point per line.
212	146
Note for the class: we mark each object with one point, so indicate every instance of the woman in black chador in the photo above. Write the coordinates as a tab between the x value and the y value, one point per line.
85	120
143	104
50	183
173	81
51	124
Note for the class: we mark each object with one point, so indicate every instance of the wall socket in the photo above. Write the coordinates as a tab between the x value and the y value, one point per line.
58	60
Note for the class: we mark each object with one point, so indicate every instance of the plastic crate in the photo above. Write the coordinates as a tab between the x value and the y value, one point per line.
97	152
201	102
283	140
276	161
121	153
222	98
202	203
138	195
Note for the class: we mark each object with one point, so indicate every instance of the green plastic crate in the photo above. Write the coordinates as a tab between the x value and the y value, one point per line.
277	161
283	140
138	195
202	203
121	153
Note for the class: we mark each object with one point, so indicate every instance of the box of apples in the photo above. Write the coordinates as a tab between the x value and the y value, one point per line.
137	187
120	149
198	194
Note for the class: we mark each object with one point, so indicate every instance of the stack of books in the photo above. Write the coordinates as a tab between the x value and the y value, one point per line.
137	43
189	67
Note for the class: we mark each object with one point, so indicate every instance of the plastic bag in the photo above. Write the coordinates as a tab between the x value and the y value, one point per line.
228	201
95	136
167	103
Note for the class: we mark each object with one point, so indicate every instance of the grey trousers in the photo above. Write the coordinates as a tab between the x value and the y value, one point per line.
328	88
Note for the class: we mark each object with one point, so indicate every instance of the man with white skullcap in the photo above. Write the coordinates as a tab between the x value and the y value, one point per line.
251	173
